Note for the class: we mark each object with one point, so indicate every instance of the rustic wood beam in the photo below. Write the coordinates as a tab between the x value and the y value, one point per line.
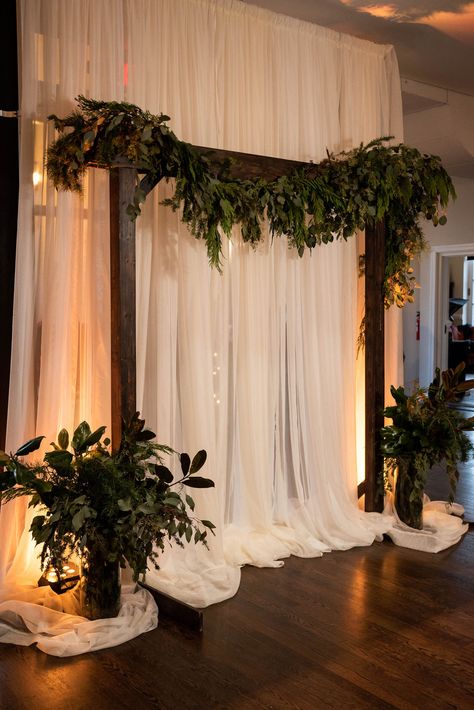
122	300
374	363
246	166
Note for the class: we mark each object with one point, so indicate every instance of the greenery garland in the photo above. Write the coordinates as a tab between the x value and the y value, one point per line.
315	205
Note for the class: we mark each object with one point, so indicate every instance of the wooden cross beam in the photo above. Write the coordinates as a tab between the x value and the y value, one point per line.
123	299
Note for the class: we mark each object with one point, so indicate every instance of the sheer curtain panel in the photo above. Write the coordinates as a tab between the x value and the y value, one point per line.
257	364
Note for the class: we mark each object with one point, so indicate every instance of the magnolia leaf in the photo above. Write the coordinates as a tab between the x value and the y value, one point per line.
185	463
145	435
198	482
80	435
60	460
24	476
63	438
136	424
31	445
94	438
7	480
198	461
163	473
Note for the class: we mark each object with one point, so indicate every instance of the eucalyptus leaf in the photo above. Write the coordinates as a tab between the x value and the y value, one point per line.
80	517
208	524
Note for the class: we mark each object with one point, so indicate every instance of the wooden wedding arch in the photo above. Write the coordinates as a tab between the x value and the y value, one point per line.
123	179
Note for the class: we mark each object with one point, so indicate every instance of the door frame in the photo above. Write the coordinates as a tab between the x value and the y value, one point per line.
430	306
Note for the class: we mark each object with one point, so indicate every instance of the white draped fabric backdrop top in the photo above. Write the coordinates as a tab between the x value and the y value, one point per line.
258	364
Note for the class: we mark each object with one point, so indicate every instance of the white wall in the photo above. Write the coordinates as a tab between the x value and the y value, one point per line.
459	230
445	130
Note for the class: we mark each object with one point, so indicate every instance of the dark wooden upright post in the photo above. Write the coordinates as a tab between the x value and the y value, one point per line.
374	363
9	194
122	299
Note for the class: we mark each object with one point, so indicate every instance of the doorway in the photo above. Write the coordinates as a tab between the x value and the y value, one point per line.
436	277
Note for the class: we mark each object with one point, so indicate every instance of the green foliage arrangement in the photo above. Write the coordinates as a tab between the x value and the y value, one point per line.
425	430
315	205
120	504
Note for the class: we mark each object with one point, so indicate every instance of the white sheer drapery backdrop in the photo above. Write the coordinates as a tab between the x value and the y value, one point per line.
256	365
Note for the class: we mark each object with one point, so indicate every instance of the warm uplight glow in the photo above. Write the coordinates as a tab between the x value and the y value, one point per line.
380	10
68	578
37	178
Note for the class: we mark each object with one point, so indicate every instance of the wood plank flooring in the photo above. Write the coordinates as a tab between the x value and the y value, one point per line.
377	627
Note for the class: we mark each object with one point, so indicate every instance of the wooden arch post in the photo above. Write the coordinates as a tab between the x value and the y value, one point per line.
123	329
374	364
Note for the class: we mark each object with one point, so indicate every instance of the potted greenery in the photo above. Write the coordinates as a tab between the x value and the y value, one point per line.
425	430
107	507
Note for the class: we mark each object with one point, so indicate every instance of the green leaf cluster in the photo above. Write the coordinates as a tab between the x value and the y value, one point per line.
427	430
123	504
315	205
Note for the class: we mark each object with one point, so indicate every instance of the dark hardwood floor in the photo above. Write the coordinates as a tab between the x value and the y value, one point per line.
377	627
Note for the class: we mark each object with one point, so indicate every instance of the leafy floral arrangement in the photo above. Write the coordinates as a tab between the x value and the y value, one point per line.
121	504
426	430
315	205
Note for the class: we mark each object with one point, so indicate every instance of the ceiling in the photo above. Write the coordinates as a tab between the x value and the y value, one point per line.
434	39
